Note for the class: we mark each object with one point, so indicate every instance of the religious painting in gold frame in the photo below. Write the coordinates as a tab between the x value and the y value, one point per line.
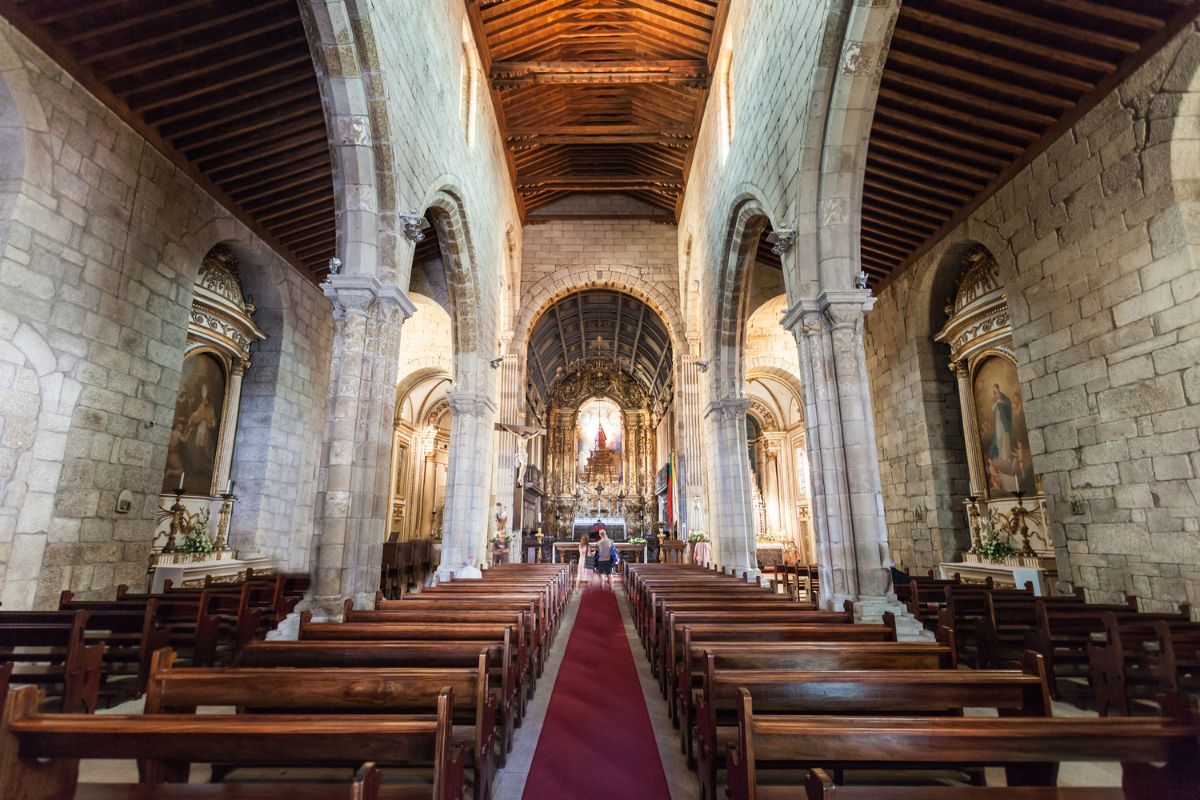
1001	427
196	430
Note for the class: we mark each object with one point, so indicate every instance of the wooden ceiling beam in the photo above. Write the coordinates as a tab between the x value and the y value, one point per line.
972	186
938	145
974	55
1009	15
938	192
184	54
967	118
924	123
918	154
174	33
595	139
988	84
524	73
92	33
976	100
1110	13
1042	52
199	89
553	181
922	198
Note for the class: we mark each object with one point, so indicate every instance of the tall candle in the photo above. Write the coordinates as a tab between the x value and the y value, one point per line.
181	477
229	488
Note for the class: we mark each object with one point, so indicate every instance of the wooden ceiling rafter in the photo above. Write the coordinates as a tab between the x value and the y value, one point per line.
973	90
227	92
598	96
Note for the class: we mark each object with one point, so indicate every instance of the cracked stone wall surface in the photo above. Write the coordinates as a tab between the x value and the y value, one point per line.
101	239
1097	244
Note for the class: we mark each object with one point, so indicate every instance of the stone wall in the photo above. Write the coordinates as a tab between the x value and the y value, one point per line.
1096	244
100	243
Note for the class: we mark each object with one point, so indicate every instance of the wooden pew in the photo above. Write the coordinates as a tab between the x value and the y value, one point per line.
1136	659
1063	633
844	692
39	754
734	614
377	654
685	636
341	690
1029	748
129	636
190	631
801	656
53	654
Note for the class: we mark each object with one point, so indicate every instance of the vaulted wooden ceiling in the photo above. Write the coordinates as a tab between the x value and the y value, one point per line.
603	323
599	95
226	90
973	90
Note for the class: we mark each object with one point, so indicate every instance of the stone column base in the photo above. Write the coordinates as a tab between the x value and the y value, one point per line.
908	627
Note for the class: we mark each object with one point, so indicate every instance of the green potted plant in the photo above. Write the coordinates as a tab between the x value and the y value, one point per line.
196	542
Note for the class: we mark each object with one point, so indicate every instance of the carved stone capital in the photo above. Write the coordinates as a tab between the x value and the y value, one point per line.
729	409
470	403
845	310
358	295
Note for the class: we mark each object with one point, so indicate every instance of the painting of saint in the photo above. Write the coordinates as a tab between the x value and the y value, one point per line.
1003	433
192	450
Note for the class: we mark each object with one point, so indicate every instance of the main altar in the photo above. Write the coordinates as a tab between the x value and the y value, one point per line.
600	454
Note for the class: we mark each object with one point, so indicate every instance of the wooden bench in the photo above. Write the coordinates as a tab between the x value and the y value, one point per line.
340	690
800	656
53	655
1029	748
1137	659
377	654
845	692
693	634
1063	634
39	754
190	631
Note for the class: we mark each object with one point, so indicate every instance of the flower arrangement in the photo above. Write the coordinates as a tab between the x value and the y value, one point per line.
638	540
694	538
196	540
994	549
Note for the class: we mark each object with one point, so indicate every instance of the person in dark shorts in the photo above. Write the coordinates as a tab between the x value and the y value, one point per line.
604	559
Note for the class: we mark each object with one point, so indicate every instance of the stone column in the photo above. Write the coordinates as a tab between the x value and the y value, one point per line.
729	483
509	445
846	493
468	479
229	424
689	454
354	505
772	496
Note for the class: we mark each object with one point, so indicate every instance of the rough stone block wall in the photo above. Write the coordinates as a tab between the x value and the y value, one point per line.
774	50
99	247
1096	240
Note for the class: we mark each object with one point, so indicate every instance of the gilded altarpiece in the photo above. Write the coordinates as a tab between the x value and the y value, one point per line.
594	475
197	496
1006	497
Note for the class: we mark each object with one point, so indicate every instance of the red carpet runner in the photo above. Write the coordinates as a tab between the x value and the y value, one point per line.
596	742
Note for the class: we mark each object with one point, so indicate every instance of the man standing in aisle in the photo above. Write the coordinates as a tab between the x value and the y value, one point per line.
604	559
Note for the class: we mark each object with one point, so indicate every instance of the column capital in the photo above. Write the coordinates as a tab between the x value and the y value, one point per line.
729	408
838	309
355	294
472	403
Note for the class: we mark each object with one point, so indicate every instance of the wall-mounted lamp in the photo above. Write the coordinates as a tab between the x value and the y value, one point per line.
496	362
415	226
702	366
335	266
860	280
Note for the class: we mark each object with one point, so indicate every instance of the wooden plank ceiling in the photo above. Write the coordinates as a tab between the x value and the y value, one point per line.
973	90
600	323
226	90
599	95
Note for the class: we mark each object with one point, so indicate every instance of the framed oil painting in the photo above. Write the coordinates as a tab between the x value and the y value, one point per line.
1002	429
192	451
599	438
